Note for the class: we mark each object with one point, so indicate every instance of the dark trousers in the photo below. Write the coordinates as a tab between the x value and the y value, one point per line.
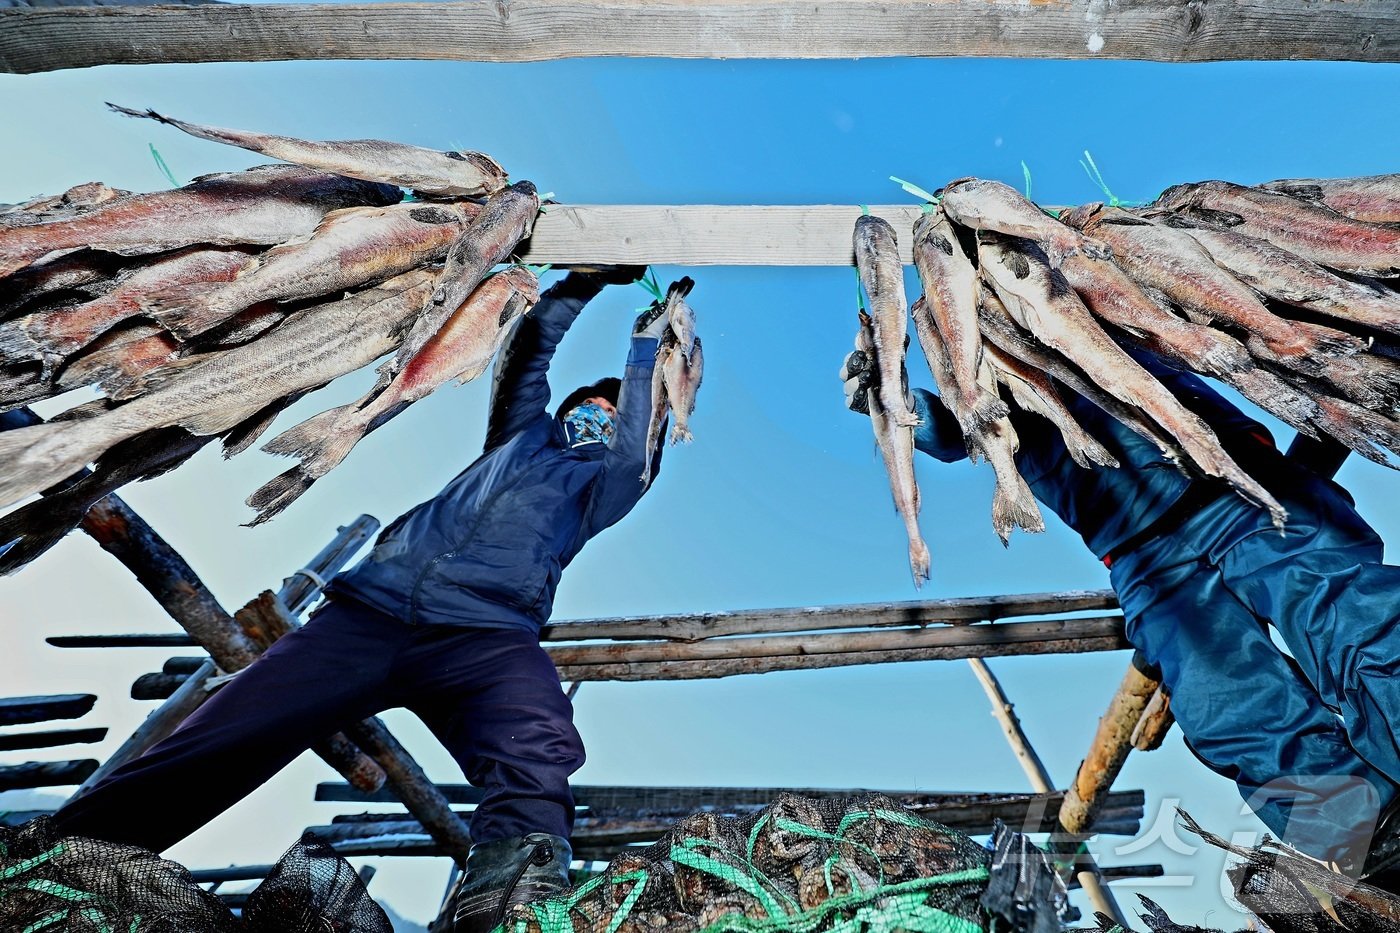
1312	740
490	695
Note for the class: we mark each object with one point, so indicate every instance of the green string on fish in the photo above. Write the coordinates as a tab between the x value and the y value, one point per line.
1026	171
860	291
649	282
1092	170
165	169
920	193
545	197
537	271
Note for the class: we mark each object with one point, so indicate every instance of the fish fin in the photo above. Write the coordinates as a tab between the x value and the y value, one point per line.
1304	192
320	442
244	435
277	493
1015	508
986	408
41	455
187	310
155	379
1328	340
1088	452
1211	216
680	435
16	345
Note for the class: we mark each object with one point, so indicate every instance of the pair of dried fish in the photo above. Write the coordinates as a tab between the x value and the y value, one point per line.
680	365
163	300
1015	298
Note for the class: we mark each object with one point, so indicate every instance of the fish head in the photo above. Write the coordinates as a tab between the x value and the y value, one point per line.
873	234
495	175
1082	216
522	282
955	183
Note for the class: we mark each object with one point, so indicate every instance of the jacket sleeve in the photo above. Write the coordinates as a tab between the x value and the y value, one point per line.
619	484
938	433
520	388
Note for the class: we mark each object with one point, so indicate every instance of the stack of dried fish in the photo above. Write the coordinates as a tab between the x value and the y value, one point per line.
203	311
680	365
1280	292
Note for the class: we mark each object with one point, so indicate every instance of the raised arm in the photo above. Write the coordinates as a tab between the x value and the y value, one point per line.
520	386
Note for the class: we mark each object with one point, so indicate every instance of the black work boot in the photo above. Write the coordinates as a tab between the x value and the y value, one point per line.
505	873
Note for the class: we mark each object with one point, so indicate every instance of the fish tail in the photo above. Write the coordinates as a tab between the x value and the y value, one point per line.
39	456
277	493
1359	429
320	442
920	563
1328	341
1014	508
680	434
1277	397
1088	452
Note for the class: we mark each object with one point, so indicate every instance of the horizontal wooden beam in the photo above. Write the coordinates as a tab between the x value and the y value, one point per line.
158	640
17	710
45	774
33	40
50	739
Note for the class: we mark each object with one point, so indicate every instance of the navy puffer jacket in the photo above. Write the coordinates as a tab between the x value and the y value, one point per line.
488	550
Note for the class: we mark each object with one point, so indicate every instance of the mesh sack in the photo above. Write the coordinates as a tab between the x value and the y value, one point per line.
89	886
833	865
313	889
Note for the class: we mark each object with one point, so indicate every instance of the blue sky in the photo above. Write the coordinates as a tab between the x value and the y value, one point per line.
781	500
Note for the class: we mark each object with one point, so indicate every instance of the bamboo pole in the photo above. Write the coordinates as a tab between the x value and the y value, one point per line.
1005	712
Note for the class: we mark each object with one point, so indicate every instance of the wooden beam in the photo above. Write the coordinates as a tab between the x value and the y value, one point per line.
45	774
10	743
34	40
958	610
154	640
17	710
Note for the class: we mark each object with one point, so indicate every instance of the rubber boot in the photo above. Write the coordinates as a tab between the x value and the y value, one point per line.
505	873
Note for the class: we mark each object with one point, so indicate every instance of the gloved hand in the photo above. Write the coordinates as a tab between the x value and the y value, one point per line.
611	275
651	322
858	373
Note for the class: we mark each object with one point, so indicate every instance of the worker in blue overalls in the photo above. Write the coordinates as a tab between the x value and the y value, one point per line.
1201	575
443	618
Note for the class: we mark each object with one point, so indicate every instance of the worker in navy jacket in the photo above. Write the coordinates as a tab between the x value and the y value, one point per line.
443	618
1201	574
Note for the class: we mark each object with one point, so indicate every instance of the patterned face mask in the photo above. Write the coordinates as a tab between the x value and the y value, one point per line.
588	424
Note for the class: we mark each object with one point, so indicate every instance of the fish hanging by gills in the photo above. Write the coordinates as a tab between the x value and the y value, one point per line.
1042	302
896	443
444	174
261	206
677	373
882	277
58	334
462	349
1289	278
1372	198
983	204
1308	229
1173	263
950	304
504	221
212	393
349	248
1013	504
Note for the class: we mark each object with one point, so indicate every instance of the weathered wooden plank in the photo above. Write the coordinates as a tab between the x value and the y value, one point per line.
50	739
156	686
957	610
154	640
535	30
17	710
45	774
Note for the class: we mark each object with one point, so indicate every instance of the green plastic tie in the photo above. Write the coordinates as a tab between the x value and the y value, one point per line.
538	271
160	163
686	855
915	190
1026	171
653	287
865	210
1092	170
625	908
860	291
34	862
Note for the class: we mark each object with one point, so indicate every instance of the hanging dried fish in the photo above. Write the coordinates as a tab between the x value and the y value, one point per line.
882	277
449	174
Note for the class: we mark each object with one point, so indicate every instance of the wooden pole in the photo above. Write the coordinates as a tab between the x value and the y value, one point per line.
300	589
35	40
18	710
51	739
1005	712
1109	749
174	584
45	774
